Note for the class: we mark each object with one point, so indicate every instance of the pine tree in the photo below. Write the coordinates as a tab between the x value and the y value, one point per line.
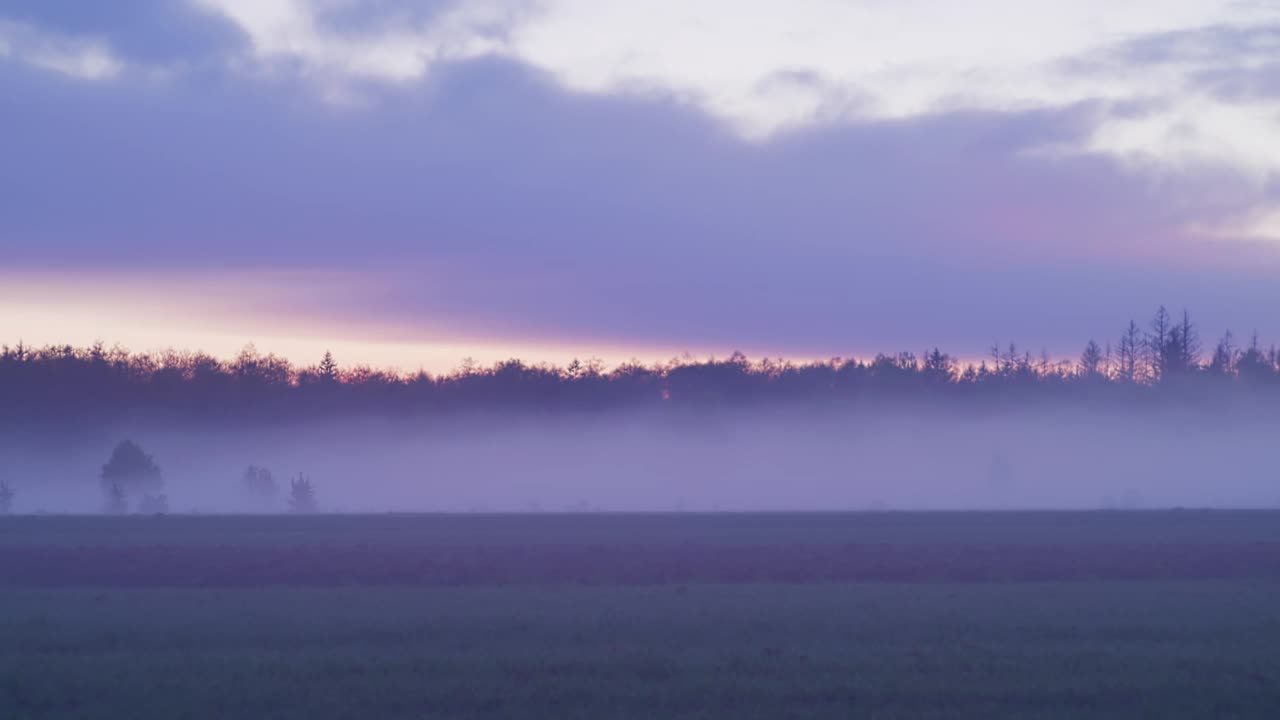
328	369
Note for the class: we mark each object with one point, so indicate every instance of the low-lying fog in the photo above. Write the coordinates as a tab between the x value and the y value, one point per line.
744	460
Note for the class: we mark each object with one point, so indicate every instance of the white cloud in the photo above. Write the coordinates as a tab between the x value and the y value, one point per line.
763	66
911	58
87	59
396	51
1261	224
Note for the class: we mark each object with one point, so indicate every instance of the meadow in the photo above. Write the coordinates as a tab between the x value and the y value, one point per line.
1026	615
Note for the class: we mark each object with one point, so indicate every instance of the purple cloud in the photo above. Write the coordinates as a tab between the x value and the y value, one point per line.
491	200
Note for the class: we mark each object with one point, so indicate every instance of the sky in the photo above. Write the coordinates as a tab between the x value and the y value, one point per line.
412	183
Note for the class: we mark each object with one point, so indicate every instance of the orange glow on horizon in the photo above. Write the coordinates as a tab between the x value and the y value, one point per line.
221	314
185	314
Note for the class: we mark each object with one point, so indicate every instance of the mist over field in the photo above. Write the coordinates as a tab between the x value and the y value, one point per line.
741	460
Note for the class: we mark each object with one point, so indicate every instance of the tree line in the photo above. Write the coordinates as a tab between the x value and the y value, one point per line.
1166	358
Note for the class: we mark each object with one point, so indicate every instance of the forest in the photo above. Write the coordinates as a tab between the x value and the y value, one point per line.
1164	361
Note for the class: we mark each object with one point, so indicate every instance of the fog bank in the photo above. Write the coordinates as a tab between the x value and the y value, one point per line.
727	461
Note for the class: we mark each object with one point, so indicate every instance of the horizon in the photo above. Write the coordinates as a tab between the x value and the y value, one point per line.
560	360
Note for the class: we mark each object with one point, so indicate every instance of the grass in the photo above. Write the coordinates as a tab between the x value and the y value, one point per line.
1156	648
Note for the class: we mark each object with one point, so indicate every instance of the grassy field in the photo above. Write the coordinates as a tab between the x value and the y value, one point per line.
1097	614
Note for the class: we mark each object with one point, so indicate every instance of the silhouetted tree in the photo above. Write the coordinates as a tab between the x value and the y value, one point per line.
1091	360
1181	353
258	482
575	369
328	369
1159	349
1174	348
1223	361
1188	343
939	367
302	495
1129	354
6	498
1253	364
130	470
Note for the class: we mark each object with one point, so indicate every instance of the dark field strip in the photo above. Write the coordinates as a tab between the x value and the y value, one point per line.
398	530
1022	651
327	566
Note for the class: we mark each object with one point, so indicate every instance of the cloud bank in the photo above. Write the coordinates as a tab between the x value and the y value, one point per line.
841	177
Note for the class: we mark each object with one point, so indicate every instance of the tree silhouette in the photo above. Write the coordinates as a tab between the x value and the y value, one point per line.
1188	343
939	367
1254	365
1129	354
6	498
302	495
1091	361
258	482
59	386
131	470
1223	361
1160	349
328	369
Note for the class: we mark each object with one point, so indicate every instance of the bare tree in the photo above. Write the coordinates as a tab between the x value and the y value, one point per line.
1157	344
1129	354
1174	348
1091	361
1188	343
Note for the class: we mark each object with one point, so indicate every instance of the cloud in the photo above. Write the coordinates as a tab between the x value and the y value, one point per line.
142	31
491	186
1202	63
83	59
337	44
485	201
1195	64
1208	97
